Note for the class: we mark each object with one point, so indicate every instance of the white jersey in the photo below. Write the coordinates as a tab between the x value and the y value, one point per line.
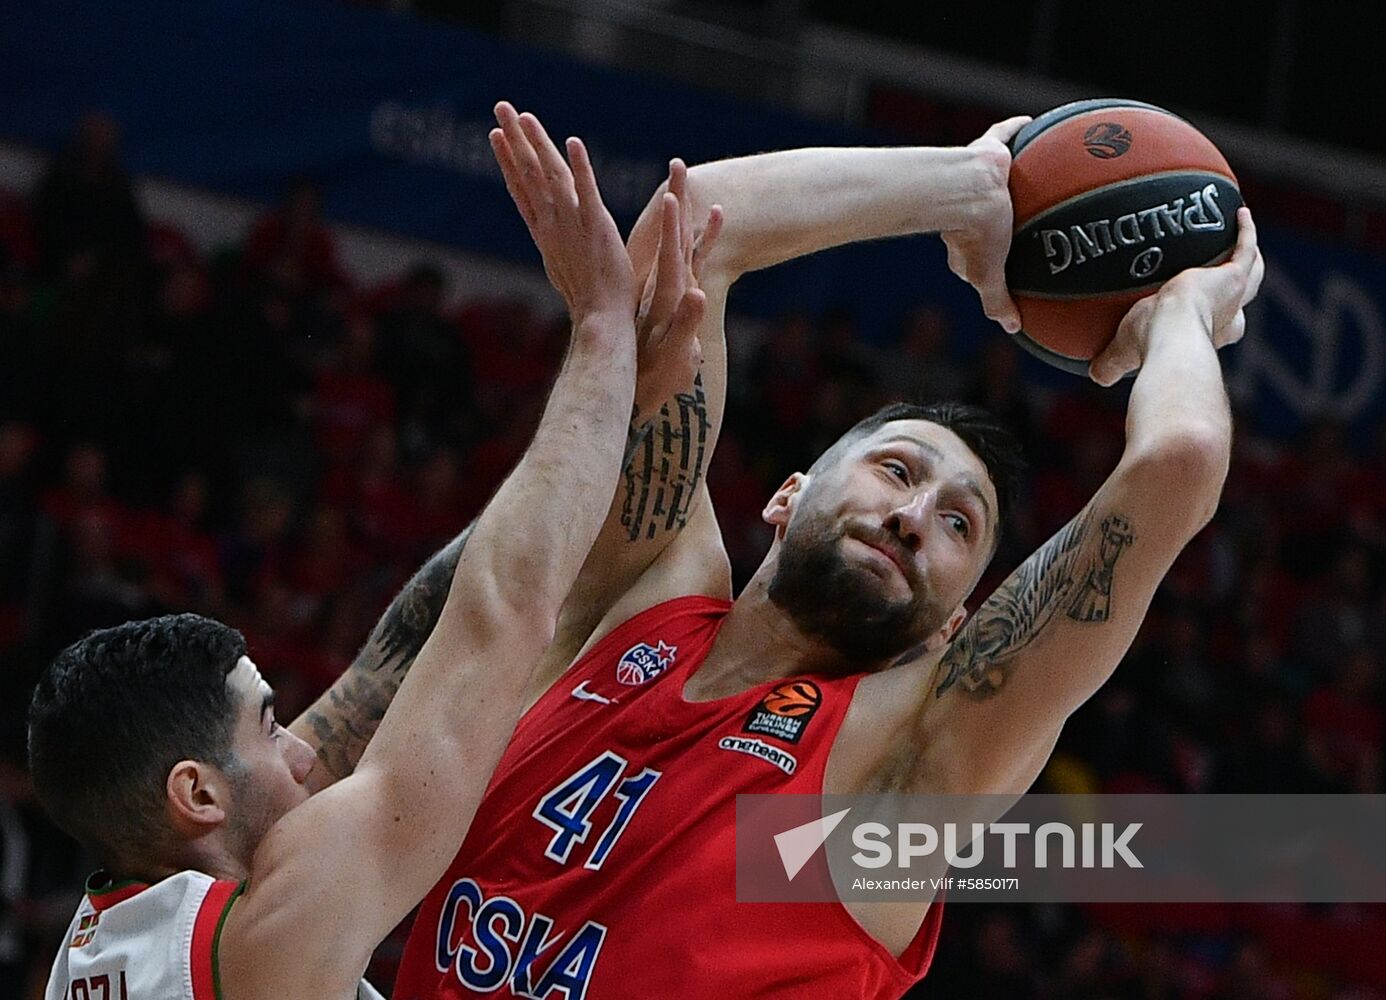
131	941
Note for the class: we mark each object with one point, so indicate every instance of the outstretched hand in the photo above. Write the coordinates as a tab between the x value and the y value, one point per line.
584	255
977	252
1218	296
672	304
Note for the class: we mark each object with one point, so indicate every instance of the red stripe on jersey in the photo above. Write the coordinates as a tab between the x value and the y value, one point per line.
206	934
107	898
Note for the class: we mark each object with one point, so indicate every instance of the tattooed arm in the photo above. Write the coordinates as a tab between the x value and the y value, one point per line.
988	711
342	721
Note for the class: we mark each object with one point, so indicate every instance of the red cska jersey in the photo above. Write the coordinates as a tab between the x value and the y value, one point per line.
601	864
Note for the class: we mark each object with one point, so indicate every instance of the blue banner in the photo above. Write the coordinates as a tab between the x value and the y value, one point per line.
390	114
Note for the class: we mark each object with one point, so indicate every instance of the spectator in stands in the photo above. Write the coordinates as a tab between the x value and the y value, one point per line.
1345	724
422	355
85	213
292	250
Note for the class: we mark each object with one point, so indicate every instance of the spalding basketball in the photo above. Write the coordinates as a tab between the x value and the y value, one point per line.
1112	198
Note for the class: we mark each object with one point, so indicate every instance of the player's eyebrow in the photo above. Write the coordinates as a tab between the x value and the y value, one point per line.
932	455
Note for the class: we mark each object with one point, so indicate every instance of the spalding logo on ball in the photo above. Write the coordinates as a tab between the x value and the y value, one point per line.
1112	198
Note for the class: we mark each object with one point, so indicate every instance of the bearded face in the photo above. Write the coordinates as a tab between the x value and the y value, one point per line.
842	600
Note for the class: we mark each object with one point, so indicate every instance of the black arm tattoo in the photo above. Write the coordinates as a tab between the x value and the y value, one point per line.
1063	575
345	718
664	465
636	434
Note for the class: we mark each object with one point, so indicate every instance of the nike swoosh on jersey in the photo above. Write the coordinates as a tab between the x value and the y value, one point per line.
582	694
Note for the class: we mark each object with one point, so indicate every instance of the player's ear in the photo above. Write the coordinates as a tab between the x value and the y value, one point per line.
950	628
198	795
781	506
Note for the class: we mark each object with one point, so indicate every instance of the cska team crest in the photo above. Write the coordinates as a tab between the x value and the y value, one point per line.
643	662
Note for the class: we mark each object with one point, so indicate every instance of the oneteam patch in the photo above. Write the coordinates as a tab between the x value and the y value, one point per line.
785	712
782	759
643	662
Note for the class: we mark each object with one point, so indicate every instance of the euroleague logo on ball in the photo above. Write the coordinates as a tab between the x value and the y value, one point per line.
1107	140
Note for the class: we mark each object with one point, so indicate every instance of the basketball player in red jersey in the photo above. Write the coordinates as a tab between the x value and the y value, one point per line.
601	862
155	742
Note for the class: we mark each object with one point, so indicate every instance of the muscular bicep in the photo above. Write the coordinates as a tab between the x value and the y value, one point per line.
1050	635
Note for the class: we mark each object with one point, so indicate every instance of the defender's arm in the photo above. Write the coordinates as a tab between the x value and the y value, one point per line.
335	874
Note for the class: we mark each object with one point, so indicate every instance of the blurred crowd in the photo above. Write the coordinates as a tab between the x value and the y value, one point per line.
252	435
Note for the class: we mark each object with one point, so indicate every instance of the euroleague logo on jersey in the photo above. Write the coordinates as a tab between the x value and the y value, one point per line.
785	712
643	662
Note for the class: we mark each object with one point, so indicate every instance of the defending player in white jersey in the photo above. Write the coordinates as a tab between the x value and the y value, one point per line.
155	743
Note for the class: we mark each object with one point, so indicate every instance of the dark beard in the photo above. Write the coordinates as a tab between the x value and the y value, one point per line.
251	817
840	604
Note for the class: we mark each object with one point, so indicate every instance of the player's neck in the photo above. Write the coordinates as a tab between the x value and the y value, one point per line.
758	642
210	855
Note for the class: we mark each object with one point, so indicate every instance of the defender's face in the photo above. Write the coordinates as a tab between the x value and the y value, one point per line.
273	763
895	534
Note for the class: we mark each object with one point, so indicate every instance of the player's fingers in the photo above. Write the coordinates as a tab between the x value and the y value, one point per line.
505	113
1005	131
530	172
1111	365
957	260
1245	253
1122	354
678	179
1253	283
678	187
707	240
584	177
510	172
997	302
1233	332
555	168
683	331
669	265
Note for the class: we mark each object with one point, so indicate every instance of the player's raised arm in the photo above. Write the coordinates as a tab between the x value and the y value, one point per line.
778	206
1054	631
338	872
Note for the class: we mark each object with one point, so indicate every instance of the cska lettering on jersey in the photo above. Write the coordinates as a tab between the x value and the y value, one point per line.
510	946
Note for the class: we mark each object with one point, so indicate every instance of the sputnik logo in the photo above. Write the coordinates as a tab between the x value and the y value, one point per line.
800	843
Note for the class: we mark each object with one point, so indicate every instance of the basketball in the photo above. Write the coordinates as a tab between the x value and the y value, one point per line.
1111	198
